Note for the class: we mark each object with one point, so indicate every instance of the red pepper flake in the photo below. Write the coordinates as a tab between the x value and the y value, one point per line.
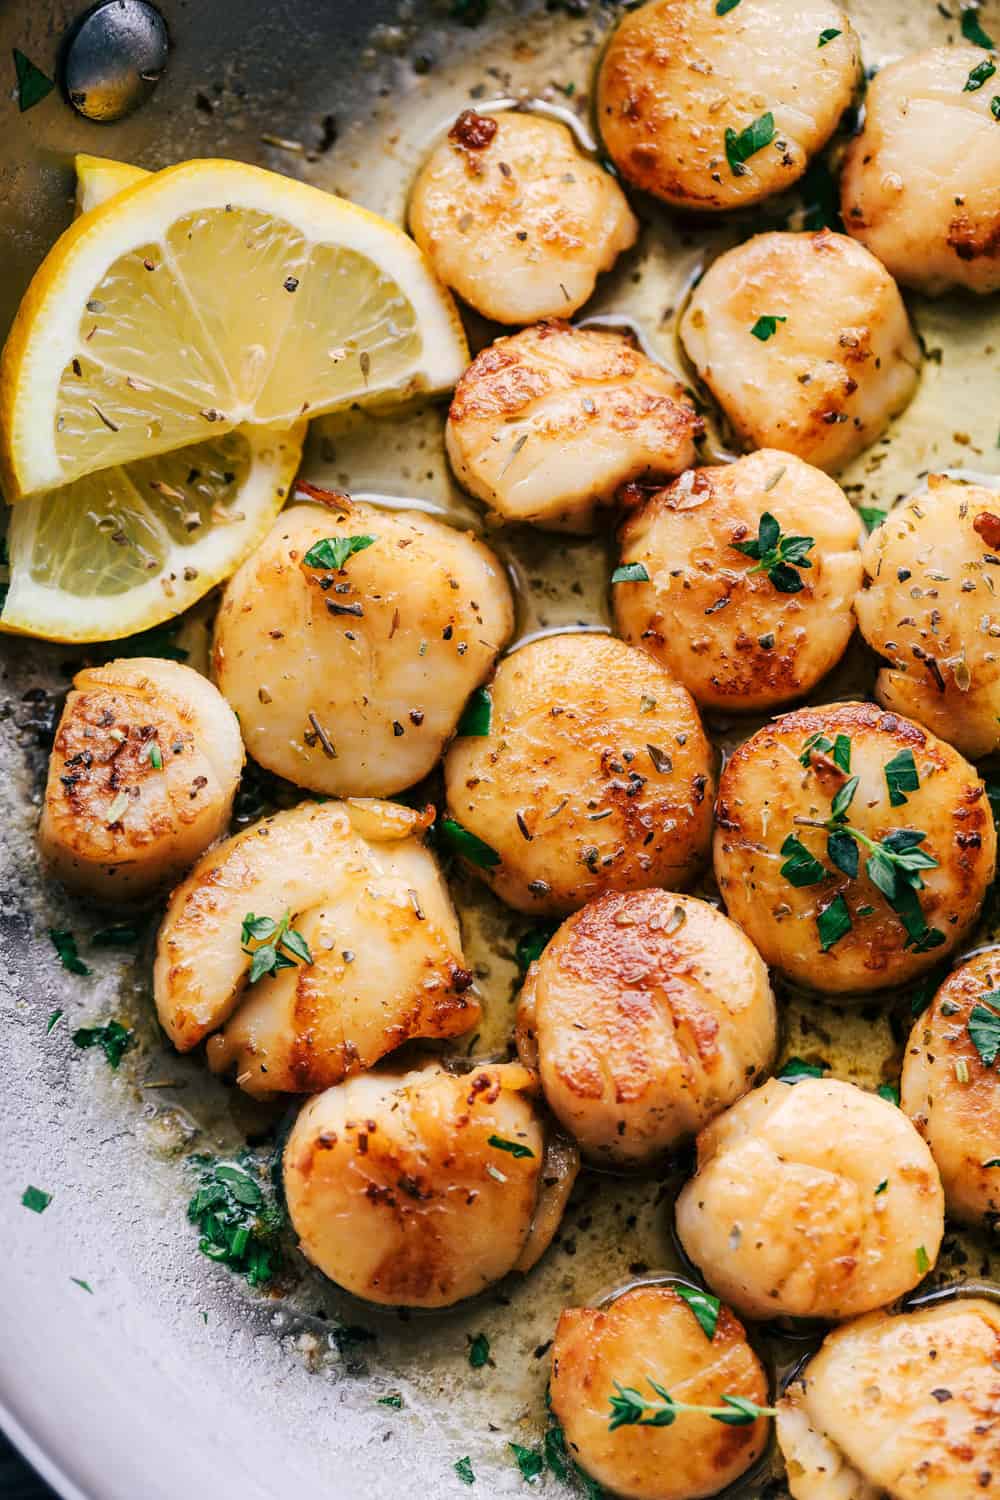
473	132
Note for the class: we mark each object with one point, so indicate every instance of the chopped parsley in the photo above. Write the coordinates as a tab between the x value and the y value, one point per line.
479	1351
394	1399
839	750
333	551
515	1148
796	1068
704	1306
923	1260
239	1221
531	945
889	1092
979	75
529	1460
872	515
113	1038
995	106
723	7
833	923
881	1187
630	573
65	945
278	945
827	36
994	1161
766	326
35	1199
476	715
984	1027
746	143
468	845
973	31
32	84
53	1020
776	555
153	754
800	868
629	1409
463	1469
83	1285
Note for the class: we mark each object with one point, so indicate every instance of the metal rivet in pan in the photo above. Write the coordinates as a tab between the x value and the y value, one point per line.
113	58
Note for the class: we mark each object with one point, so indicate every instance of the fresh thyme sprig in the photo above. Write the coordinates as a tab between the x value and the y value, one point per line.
776	555
629	1408
279	946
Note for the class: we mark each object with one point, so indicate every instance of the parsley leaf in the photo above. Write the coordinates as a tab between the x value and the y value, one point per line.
704	1306
32	84
529	1460
901	777
766	326
394	1399
279	945
833	923
476	715
843	852
515	1148
838	749
531	945
872	515
984	1027
65	945
923	1260
979	75
740	147
776	555
114	1040
973	31
468	845
238	1218
35	1199
479	1351
796	1068
800	868
827	36
995	106
844	798
333	551
889	1092
53	1020
463	1468
630	573
723	7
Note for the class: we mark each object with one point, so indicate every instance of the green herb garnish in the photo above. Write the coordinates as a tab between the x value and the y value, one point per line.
776	555
476	715
882	1187
796	1068
629	1409
239	1221
839	750
531	945
479	1351
833	923
972	30
333	551
800	868
529	1460
923	1260
872	515
630	573
984	1027
766	326
279	946
827	36
889	1092
113	1038
741	146
995	106
979	75
65	945
468	845
515	1148
723	7
394	1399
161	640
35	1199
32	84
464	1470
154	755
704	1306
53	1020
83	1285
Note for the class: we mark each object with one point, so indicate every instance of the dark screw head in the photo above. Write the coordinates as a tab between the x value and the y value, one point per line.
113	58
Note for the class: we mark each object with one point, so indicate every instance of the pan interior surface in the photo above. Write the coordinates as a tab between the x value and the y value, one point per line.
130	1364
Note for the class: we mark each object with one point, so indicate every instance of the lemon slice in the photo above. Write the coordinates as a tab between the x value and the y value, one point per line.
98	178
122	550
210	296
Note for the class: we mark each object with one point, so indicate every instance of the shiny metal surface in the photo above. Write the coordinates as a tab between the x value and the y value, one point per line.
113	57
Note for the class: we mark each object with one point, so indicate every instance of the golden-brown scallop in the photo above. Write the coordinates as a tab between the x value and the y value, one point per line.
813	1200
930	609
547	424
832	360
383	947
350	640
647	1014
951	1087
516	219
595	776
736	635
422	1188
899	1407
921	183
651	1334
146	761
713	111
869	909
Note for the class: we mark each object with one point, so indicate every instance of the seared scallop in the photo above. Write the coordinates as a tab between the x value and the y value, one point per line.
921	183
547	424
595	775
645	1335
713	107
852	846
817	1200
930	609
351	910
146	761
419	1189
951	1087
646	1015
720	607
898	1407
516	219
350	640
804	341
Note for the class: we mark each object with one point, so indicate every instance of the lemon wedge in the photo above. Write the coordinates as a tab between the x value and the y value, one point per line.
98	178
210	296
